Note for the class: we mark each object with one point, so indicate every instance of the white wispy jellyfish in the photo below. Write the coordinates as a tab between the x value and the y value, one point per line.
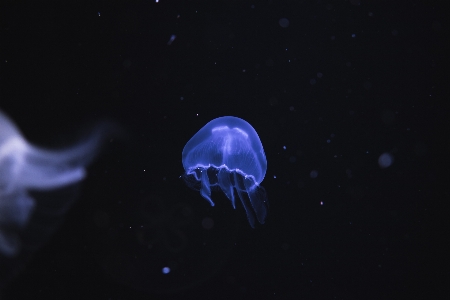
25	168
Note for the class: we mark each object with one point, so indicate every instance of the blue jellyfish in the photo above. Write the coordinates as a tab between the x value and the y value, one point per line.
25	168
227	153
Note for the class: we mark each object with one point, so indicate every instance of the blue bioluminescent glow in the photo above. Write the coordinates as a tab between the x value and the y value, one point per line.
228	153
24	168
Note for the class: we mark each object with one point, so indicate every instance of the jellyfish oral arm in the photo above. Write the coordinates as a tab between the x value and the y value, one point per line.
24	168
28	167
205	190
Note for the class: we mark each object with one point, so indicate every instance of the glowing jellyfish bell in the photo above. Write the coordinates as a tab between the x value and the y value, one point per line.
228	153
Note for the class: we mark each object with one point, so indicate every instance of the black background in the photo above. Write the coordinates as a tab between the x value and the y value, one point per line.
320	99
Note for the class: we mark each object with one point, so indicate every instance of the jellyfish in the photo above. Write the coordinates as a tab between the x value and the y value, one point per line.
227	154
26	169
